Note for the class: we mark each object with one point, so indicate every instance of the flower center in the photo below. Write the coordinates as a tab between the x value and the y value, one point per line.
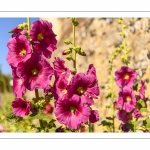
64	91
40	37
34	72
72	109
22	52
80	90
128	98
126	77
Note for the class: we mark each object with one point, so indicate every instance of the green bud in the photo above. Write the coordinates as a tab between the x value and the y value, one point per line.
69	57
67	41
75	23
81	52
67	51
77	48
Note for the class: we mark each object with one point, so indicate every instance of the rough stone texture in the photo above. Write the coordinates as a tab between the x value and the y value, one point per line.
98	37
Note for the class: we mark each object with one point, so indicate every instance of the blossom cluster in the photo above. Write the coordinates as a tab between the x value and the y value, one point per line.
29	51
130	100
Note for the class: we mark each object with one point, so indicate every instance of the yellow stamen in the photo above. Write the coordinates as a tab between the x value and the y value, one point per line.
72	109
40	37
34	72
128	98
80	90
22	52
64	91
126	77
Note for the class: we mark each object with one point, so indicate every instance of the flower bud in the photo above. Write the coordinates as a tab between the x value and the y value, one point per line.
81	52
73	71
67	51
69	57
67	41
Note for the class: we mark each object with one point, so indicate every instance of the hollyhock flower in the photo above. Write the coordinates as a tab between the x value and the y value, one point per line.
21	107
18	86
2	128
35	72
126	99
94	116
60	69
136	113
84	85
124	116
19	50
43	38
125	76
72	112
60	88
142	90
18	31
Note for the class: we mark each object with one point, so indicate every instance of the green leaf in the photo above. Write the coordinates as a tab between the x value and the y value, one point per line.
109	118
141	102
144	110
135	87
109	95
106	123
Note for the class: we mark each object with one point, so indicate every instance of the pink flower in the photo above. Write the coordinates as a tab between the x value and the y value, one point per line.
2	128
18	86
142	90
125	76
43	38
94	116
21	107
72	112
19	50
126	99
35	72
136	113
124	116
60	88
60	69
85	86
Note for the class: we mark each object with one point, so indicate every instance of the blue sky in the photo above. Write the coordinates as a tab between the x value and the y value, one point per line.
6	24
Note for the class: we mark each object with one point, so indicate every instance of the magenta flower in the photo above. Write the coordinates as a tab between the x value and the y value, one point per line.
136	113
124	116
21	107
43	37
126	99
35	72
60	69
125	76
85	86
94	116
142	90
19	50
18	86
72	112
60	88
17	31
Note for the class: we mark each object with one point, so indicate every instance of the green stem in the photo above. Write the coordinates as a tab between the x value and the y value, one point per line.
74	52
112	100
28	21
90	127
36	94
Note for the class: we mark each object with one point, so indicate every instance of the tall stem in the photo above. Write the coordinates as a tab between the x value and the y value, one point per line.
36	94
112	99
28	21
90	127
74	52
